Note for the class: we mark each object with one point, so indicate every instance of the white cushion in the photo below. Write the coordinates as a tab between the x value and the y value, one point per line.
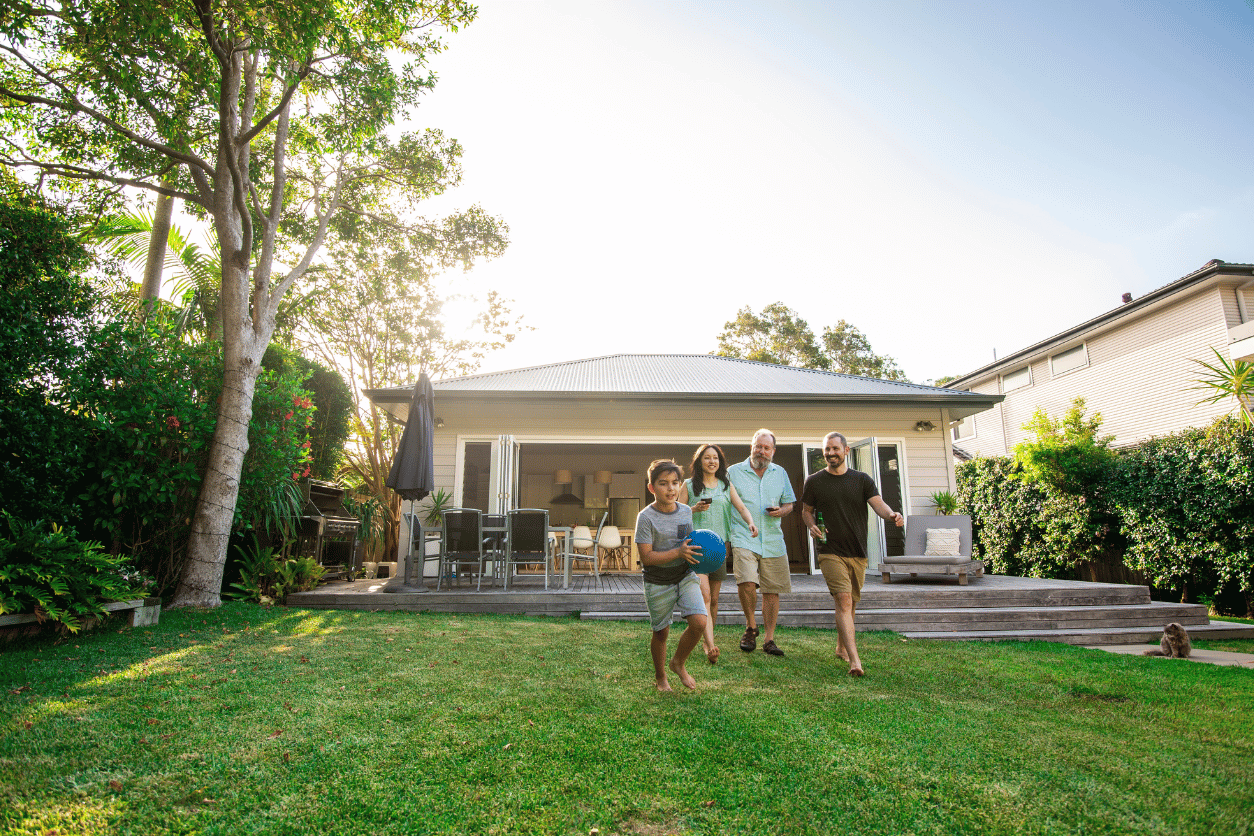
943	542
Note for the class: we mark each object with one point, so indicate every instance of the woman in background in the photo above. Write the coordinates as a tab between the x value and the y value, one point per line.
712	497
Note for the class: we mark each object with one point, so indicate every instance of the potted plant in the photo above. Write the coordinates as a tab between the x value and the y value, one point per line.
437	503
432	517
945	502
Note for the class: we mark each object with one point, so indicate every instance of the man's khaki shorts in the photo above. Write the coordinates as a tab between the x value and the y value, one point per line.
769	573
843	574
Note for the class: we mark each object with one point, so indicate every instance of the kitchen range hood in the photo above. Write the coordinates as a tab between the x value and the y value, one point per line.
564	477
567	498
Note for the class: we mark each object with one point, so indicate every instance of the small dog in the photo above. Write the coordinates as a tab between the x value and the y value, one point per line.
1174	643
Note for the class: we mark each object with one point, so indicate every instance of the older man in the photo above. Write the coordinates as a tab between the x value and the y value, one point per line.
765	489
841	497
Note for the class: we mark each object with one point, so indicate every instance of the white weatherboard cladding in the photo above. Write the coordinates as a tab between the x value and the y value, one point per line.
1138	377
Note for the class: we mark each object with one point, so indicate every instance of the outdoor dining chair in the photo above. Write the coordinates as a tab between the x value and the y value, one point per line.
417	555
581	538
461	544
494	543
526	541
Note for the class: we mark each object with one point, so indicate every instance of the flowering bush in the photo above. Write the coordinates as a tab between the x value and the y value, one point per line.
149	401
1025	527
105	422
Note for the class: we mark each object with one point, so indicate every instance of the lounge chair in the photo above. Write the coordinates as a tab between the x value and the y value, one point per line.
916	562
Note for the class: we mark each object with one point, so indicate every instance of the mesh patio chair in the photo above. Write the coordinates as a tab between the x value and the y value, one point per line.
494	543
461	544
418	556
526	541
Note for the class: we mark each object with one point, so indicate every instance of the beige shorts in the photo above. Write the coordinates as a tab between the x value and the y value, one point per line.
769	573
843	574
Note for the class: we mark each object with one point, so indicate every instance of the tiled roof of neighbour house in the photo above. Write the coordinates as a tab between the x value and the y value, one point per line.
691	375
1210	269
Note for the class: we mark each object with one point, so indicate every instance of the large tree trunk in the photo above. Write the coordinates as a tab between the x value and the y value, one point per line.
201	582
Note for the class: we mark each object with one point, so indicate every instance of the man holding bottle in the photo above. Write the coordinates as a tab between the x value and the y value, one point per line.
840	497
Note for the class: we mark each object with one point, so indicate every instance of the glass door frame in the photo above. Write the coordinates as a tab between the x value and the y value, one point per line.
807	449
504	479
866	451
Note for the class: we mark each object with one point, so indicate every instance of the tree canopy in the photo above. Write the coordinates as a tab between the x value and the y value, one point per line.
779	335
271	119
374	315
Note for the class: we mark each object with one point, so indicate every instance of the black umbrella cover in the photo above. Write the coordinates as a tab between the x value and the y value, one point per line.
413	474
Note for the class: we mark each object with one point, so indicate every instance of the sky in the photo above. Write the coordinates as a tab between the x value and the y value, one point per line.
956	179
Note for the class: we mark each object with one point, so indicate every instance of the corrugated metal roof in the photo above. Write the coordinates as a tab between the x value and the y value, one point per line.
673	374
682	374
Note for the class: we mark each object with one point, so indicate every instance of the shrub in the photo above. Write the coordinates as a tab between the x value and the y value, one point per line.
48	571
1067	453
1186	505
267	574
149	402
333	406
45	321
1023	527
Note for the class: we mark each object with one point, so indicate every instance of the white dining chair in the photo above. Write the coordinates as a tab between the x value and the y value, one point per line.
580	540
610	541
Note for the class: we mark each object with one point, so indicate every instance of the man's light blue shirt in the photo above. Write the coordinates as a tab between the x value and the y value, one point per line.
773	488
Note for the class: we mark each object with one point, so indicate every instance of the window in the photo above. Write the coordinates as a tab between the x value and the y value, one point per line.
964	428
1072	358
1016	379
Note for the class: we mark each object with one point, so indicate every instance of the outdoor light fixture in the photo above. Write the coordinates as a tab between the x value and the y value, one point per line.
439	423
924	427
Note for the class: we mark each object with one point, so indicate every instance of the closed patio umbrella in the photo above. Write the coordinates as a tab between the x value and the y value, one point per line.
413	474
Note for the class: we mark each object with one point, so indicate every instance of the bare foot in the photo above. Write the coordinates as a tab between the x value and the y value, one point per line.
664	686
684	676
712	655
843	655
857	672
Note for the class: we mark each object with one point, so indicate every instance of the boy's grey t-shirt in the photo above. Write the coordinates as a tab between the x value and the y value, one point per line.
665	532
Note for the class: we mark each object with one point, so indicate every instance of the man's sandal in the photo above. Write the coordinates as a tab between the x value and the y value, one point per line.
749	641
772	649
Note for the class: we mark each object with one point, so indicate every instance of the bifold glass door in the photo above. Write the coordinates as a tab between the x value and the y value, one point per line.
812	457
864	456
504	479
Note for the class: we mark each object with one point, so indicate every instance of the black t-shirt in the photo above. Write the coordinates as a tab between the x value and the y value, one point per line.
842	502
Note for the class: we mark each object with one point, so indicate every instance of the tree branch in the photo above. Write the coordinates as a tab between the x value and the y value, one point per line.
78	173
75	107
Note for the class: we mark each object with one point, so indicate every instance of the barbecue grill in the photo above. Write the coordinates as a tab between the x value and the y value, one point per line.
327	531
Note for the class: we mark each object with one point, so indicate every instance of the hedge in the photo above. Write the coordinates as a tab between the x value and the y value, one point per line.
1177	509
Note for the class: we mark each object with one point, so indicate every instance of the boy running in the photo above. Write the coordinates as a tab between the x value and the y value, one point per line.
666	558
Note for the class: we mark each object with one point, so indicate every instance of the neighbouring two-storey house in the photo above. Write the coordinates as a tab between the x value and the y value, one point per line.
1137	364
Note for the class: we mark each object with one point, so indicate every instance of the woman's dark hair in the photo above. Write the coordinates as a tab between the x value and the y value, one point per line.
698	475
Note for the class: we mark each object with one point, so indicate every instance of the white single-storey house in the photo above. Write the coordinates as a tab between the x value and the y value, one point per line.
513	438
1135	364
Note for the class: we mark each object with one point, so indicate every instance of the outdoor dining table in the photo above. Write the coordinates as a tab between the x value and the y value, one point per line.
496	532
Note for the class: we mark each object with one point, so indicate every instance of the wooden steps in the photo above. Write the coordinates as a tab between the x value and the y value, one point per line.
991	608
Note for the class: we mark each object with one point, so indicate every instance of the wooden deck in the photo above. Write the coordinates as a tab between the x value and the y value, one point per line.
992	607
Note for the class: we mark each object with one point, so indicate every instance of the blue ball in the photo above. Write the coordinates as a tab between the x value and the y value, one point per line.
713	550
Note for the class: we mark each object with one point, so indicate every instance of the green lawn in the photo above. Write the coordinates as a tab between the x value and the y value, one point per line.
252	720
